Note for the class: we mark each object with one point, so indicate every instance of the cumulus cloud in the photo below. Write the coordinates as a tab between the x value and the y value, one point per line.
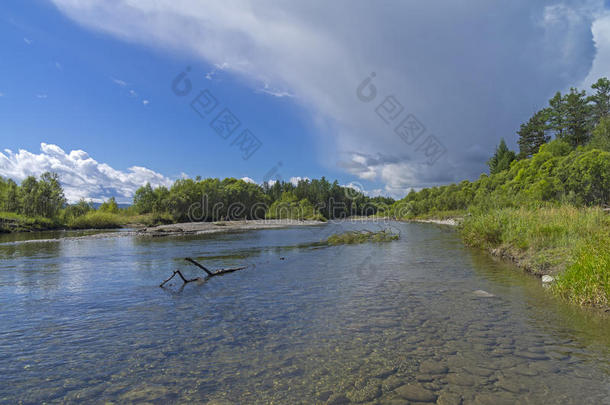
81	176
470	71
295	180
249	180
145	102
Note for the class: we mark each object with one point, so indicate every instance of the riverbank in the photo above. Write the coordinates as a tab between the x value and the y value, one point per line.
190	228
567	243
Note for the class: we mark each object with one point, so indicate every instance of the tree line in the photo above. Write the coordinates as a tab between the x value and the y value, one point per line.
563	158
196	199
575	118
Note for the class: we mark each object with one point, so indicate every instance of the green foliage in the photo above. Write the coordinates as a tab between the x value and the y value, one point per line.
76	210
353	237
12	222
43	197
96	220
600	100
501	159
556	174
533	134
542	239
288	207
586	281
110	206
601	136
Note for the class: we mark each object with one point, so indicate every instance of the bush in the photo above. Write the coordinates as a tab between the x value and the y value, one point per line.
96	220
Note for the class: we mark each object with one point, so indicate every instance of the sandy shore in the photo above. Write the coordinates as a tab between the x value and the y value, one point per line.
448	221
196	228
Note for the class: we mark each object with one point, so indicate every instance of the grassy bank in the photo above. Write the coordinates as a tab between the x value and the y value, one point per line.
12	222
567	242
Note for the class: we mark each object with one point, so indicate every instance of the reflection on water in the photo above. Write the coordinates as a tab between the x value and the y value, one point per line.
84	320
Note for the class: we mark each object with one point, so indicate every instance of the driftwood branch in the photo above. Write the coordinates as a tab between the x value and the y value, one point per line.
188	259
184	279
202	267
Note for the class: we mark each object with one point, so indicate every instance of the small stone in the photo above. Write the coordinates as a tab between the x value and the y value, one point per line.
548	279
449	398
337	399
483	294
415	392
461	379
433	367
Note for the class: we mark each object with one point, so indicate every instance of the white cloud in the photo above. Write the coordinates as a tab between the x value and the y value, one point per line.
80	175
274	92
41	95
601	36
295	180
120	82
133	93
27	41
145	102
470	74
248	180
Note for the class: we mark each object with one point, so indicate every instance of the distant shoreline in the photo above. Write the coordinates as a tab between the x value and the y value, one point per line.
196	228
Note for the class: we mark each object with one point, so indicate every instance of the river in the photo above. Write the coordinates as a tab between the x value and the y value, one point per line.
84	320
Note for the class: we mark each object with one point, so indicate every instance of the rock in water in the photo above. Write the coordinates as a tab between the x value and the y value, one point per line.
483	294
547	279
415	392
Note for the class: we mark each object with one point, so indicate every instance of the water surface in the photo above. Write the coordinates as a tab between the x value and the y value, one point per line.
83	320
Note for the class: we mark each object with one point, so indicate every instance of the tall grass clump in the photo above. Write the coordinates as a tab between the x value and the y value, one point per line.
353	237
96	220
543	240
586	281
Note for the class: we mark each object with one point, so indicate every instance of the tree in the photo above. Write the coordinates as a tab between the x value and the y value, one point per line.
533	134
600	100
110	206
601	135
27	196
569	117
50	196
501	159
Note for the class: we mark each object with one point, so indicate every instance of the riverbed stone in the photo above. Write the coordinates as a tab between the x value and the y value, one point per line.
461	379
368	392
449	398
433	367
415	392
391	383
482	294
337	399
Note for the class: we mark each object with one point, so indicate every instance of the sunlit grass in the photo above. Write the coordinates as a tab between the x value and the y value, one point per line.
97	220
573	243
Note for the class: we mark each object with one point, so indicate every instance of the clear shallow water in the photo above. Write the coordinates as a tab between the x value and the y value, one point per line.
83	320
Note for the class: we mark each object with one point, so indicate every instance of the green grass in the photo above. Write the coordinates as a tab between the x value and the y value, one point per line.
11	222
572	243
354	237
586	281
97	220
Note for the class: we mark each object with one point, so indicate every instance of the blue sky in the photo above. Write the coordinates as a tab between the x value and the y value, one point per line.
96	76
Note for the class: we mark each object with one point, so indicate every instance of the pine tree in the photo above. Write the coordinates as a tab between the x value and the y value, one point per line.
600	100
501	159
533	134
